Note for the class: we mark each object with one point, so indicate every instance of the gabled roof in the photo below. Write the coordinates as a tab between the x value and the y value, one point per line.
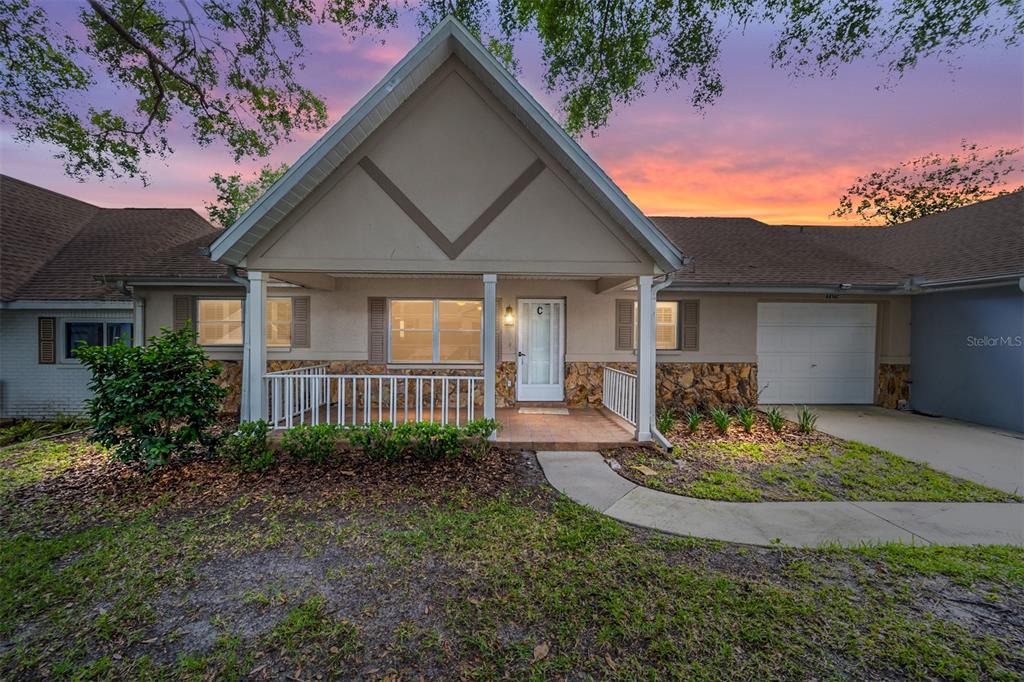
53	247
448	38
976	243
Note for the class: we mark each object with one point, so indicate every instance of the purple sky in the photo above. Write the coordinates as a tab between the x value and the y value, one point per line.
774	147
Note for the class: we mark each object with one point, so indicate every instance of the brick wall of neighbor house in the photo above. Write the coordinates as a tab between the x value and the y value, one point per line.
31	390
893	384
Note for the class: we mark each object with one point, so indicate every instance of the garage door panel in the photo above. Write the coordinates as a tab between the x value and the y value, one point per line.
816	352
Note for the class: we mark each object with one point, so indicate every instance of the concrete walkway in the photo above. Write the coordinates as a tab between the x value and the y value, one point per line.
587	479
982	454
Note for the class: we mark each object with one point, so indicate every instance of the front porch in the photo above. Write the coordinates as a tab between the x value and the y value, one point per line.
313	395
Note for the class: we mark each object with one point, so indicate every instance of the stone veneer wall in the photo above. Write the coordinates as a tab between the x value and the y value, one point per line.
893	384
681	385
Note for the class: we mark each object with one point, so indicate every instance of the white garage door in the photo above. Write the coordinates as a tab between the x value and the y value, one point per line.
816	352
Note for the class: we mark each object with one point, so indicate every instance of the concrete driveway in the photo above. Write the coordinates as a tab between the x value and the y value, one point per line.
979	453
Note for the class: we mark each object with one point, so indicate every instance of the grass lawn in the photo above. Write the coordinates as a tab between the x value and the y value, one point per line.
764	466
451	570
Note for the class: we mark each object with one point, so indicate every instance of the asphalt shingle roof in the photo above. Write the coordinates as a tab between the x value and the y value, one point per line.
981	240
53	247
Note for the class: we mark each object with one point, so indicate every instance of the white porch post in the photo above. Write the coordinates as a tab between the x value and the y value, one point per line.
490	362
255	347
645	358
138	321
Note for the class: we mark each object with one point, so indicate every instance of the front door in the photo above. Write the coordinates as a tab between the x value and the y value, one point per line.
540	373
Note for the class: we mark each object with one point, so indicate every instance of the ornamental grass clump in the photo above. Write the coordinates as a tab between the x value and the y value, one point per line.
693	419
746	418
775	419
805	420
721	418
666	420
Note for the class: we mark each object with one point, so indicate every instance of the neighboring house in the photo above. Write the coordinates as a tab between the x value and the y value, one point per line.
54	251
447	239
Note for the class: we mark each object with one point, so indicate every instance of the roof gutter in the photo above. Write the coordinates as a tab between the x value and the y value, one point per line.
789	288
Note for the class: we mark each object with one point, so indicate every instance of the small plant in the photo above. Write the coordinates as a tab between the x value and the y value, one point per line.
314	444
423	440
666	420
775	419
721	418
745	415
247	448
805	420
693	420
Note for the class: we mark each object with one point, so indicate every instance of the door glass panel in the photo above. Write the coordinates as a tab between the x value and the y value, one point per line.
538	344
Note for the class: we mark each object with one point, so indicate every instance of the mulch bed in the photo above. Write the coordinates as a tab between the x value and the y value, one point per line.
204	482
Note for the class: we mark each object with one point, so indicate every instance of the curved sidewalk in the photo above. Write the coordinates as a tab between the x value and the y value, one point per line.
585	478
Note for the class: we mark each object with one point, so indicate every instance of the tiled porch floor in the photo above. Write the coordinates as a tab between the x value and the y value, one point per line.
582	429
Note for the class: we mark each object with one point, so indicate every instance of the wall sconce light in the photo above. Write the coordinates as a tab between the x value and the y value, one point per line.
510	316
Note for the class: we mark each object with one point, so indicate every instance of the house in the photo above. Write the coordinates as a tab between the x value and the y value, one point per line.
445	251
55	253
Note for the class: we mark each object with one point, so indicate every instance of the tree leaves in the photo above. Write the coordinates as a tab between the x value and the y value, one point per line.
227	71
929	184
234	195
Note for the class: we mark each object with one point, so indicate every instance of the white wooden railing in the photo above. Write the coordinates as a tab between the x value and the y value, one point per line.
309	395
619	393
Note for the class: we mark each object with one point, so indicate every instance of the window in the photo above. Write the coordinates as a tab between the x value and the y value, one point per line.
95	334
666	325
219	321
435	331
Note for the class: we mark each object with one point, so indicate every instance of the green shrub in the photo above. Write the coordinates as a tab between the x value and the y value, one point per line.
423	440
666	420
745	415
152	401
308	443
721	418
775	419
247	448
693	420
805	420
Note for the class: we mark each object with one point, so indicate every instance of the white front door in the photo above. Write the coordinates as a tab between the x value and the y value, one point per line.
540	374
816	352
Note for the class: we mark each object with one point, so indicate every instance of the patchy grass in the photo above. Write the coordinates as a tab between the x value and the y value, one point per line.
23	430
782	467
353	578
35	461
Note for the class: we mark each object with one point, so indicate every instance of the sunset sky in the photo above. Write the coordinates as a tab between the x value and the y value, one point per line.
775	147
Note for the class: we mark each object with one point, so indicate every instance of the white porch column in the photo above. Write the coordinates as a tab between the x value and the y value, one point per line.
255	348
645	358
490	362
138	321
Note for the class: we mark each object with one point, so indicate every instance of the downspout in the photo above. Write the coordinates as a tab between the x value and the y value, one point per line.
243	402
138	313
657	435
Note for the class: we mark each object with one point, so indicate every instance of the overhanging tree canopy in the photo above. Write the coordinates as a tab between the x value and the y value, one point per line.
228	71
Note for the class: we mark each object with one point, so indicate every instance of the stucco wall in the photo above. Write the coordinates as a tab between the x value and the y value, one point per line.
728	322
452	150
29	389
968	358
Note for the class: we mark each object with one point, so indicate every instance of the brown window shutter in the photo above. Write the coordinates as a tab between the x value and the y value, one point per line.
378	329
498	316
183	311
691	325
47	340
300	322
624	324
